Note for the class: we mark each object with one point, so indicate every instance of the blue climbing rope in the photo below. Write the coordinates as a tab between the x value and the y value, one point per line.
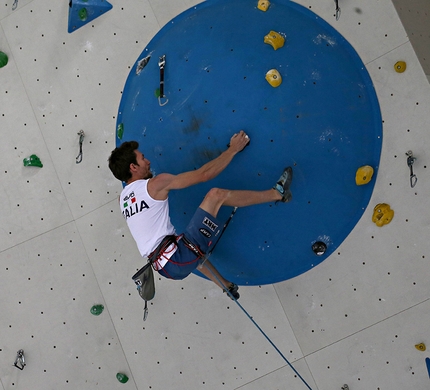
247	314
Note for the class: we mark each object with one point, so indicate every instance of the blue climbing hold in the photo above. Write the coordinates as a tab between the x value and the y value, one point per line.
83	11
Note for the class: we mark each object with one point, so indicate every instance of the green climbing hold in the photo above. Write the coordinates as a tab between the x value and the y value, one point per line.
3	59
157	93
33	161
97	310
83	14
120	131
122	377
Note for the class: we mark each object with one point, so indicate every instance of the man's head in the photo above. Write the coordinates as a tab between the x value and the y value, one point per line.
127	163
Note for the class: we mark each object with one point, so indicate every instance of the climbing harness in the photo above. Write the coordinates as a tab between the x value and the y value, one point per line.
410	161
14	5
81	141
161	65
337	9
20	360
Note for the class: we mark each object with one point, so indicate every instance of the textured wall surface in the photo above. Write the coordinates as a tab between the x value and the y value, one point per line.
64	245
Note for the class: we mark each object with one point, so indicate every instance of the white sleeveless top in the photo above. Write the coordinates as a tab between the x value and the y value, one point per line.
148	219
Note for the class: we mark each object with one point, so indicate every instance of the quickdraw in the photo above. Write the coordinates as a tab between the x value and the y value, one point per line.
81	141
410	161
162	64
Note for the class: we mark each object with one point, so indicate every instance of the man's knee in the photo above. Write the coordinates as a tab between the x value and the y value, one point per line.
217	195
213	200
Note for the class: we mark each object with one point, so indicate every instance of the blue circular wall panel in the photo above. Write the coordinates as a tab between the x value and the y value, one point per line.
323	120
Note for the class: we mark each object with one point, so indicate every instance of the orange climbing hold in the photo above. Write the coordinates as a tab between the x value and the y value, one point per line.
275	39
263	5
400	66
421	347
274	78
364	175
382	214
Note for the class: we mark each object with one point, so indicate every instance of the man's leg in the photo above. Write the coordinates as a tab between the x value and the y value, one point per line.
218	197
211	273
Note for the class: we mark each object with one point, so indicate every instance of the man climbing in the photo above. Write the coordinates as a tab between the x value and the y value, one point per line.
144	204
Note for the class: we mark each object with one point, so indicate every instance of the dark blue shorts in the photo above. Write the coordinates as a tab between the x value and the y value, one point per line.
204	231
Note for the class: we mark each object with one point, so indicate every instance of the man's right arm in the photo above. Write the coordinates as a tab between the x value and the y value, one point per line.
160	185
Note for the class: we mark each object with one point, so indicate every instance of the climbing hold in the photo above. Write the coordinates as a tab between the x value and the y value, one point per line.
263	5
421	347
319	248
364	175
273	78
83	14
400	66
33	161
83	11
122	377
3	59
382	214
120	131
97	310
275	39
428	365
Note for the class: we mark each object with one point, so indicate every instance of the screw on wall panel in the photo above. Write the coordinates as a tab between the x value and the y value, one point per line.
410	161
20	360
81	141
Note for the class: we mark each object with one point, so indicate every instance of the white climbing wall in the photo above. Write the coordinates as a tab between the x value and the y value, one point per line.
64	246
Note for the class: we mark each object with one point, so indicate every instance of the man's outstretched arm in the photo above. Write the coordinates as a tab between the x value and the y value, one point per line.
160	185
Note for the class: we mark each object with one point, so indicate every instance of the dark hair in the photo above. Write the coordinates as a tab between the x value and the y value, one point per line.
121	158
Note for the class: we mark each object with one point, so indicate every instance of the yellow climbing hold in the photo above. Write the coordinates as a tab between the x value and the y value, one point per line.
364	175
275	39
382	214
273	78
400	66
421	347
263	5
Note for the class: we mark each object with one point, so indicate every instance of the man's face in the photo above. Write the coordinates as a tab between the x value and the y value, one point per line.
143	167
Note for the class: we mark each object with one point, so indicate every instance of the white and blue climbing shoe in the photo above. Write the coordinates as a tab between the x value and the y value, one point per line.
283	185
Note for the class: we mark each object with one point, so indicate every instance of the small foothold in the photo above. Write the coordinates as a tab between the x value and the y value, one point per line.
319	248
382	214
275	39
274	78
3	59
33	161
421	347
263	5
120	131
400	66
364	175
97	310
157	93
122	377
83	14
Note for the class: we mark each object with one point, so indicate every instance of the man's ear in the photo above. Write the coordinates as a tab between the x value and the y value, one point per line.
132	168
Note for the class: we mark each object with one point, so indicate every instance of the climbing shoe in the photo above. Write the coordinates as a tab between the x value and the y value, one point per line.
283	185
233	291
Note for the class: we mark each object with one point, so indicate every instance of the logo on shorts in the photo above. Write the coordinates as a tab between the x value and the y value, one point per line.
212	226
205	232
